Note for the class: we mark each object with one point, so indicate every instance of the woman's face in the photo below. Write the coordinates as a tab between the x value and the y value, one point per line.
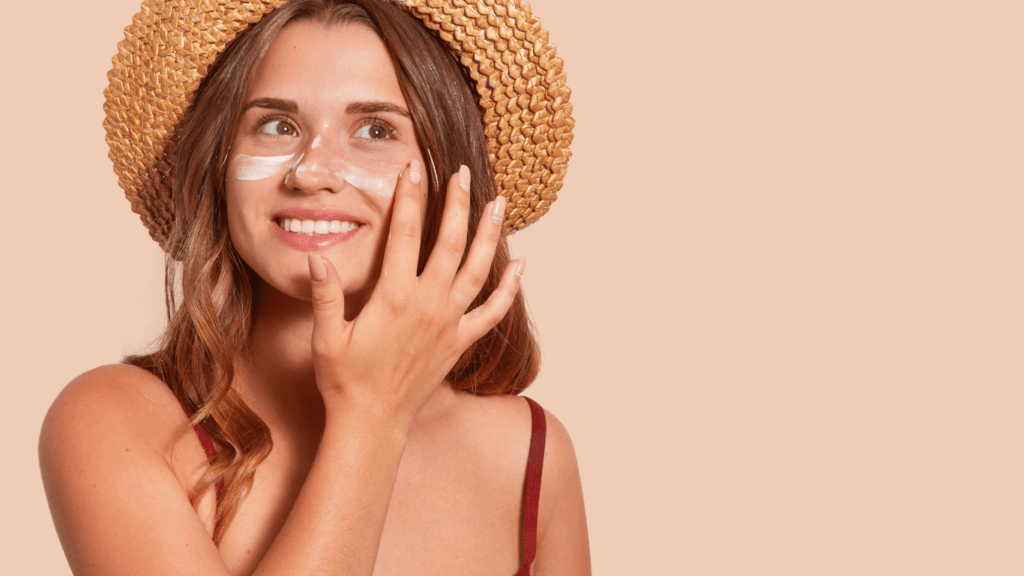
323	137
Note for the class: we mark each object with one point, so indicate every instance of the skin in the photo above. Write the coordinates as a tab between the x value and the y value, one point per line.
378	466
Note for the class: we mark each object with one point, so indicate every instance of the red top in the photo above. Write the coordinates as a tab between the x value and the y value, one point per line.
531	494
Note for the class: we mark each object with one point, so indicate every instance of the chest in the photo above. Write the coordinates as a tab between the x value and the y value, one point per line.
452	511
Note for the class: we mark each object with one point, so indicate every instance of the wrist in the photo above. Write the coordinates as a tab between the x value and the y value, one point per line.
373	419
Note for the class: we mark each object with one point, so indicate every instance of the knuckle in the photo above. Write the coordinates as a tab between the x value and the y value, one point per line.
324	347
476	278
323	300
486	319
453	245
398	299
408	230
321	349
492	317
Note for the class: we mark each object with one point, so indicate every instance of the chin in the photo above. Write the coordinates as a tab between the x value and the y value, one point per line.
286	270
294	283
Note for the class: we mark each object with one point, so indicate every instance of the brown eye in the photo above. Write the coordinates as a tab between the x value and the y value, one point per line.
278	128
373	132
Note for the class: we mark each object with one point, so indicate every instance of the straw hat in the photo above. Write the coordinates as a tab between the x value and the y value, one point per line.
169	47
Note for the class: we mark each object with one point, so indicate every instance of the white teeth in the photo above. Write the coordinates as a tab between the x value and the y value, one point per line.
316	227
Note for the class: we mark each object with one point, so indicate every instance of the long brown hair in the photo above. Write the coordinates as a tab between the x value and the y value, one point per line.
210	308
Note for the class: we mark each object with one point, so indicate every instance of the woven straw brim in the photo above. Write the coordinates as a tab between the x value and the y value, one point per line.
171	44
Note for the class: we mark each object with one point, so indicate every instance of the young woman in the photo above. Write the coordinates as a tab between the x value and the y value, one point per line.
335	392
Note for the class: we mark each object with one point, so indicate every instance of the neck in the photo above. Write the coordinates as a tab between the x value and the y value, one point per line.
276	376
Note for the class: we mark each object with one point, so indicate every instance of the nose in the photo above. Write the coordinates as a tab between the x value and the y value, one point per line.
311	171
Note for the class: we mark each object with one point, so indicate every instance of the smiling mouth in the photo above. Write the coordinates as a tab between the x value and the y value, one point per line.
316	227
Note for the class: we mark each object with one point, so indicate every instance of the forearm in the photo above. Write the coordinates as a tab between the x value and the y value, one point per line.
336	523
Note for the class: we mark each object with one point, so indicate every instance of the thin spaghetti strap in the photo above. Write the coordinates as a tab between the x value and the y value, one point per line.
204	439
209	448
531	495
211	451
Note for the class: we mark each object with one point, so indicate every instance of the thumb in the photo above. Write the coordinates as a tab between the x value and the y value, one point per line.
328	304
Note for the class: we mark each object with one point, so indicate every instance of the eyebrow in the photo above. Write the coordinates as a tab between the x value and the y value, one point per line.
366	107
375	107
273	104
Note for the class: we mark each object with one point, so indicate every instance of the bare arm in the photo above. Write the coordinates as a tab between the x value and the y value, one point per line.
120	509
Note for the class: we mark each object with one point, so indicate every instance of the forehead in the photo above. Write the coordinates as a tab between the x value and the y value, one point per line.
316	65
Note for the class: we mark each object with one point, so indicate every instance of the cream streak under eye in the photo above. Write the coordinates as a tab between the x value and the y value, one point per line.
259	167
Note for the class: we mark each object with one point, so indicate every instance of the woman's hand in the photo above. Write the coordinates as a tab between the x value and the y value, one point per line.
386	362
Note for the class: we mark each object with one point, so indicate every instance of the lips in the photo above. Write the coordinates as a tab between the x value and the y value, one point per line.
312	229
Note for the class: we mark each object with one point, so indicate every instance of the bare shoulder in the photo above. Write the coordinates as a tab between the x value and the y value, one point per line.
108	421
117	403
114	384
498	414
505	424
114	425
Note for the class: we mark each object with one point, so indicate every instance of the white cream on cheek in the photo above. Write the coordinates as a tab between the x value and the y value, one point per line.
259	167
381	181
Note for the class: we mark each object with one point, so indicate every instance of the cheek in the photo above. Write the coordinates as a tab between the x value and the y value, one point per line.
244	201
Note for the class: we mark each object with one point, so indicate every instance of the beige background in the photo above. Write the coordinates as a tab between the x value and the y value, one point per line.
780	296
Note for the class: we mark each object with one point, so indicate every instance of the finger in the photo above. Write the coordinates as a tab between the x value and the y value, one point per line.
474	272
475	323
451	240
403	249
328	306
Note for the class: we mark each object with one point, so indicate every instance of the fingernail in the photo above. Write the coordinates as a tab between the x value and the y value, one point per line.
464	177
414	171
498	210
317	268
521	266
